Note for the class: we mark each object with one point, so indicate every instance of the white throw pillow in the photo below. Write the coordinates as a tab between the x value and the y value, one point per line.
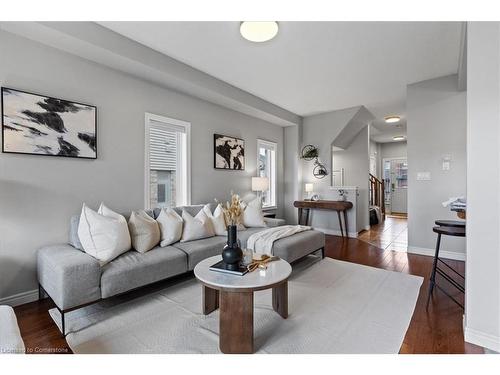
170	226
144	231
217	219
252	214
196	228
104	234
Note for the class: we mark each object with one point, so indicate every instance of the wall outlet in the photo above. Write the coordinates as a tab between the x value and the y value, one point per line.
423	176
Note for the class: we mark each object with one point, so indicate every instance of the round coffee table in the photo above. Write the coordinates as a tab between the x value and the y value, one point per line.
233	295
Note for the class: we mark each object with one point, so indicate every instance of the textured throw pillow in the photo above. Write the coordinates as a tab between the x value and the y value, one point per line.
217	219
144	231
170	226
196	228
252	214
104	234
73	233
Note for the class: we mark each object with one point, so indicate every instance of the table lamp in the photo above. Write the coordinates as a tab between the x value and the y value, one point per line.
260	184
309	189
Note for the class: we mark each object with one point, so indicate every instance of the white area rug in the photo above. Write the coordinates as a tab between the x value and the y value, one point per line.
334	307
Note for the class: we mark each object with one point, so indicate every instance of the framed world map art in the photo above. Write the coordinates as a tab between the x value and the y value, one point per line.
41	125
229	152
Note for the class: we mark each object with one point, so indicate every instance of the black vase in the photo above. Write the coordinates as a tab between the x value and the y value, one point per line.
232	253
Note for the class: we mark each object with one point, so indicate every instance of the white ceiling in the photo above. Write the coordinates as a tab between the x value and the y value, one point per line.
313	67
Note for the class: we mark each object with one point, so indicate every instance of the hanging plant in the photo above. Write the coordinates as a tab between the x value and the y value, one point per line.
309	152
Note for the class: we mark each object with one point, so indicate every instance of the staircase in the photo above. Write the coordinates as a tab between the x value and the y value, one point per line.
377	192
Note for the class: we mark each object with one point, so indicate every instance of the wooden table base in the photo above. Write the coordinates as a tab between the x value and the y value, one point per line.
236	315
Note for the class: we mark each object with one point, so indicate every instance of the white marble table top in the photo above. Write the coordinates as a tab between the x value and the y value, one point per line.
276	272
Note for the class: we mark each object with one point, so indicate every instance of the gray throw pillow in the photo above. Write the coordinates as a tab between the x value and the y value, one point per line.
74	240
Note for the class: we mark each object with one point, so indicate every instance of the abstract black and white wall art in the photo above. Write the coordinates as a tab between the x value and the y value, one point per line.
229	152
41	125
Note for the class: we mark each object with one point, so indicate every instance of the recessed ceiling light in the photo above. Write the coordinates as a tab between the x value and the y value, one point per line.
392	119
259	31
399	138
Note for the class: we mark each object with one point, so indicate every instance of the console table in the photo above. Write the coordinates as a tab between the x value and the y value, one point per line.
339	206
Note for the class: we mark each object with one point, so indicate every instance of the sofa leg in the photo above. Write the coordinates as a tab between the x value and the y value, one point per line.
40	292
63	322
322	253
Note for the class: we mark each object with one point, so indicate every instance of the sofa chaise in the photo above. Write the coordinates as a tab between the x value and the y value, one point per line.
73	279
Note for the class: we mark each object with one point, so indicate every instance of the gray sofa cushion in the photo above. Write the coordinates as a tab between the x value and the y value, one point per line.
133	269
201	249
299	245
71	277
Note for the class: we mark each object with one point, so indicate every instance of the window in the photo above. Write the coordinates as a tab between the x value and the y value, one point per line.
167	156
266	167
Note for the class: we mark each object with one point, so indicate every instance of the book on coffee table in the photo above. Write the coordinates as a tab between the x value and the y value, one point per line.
221	267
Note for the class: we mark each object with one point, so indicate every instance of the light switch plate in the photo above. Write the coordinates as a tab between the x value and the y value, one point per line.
423	176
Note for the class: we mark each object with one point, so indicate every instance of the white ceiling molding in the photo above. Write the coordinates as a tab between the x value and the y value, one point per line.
101	45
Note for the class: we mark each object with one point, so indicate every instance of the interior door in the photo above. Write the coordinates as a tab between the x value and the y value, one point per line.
399	185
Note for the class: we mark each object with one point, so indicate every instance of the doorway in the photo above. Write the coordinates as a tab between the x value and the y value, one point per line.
395	174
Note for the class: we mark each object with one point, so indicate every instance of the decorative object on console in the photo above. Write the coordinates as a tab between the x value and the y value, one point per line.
41	125
232	253
309	189
229	152
310	152
315	197
343	194
260	184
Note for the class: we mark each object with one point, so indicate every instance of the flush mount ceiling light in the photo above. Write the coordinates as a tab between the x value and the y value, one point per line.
259	31
399	138
392	119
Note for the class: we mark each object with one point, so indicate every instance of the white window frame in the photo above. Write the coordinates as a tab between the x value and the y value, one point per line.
273	180
183	164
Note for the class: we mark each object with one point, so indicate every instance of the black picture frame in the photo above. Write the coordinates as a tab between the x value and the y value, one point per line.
4	88
238	143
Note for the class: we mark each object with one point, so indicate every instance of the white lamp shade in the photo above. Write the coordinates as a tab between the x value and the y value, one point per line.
309	188
260	183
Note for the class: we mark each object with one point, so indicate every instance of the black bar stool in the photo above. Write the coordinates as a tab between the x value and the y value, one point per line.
447	228
450	223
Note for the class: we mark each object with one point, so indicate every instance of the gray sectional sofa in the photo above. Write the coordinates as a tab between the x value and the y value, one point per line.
74	279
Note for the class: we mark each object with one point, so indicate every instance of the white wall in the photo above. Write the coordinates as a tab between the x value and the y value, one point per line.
355	161
292	175
482	309
436	124
393	150
38	194
375	152
321	130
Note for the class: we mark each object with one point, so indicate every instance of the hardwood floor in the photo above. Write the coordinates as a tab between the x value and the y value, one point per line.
436	330
390	234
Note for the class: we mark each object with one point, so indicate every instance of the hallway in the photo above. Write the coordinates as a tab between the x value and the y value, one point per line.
391	234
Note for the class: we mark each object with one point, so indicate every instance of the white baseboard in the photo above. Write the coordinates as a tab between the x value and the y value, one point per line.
20	298
336	232
485	340
442	253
